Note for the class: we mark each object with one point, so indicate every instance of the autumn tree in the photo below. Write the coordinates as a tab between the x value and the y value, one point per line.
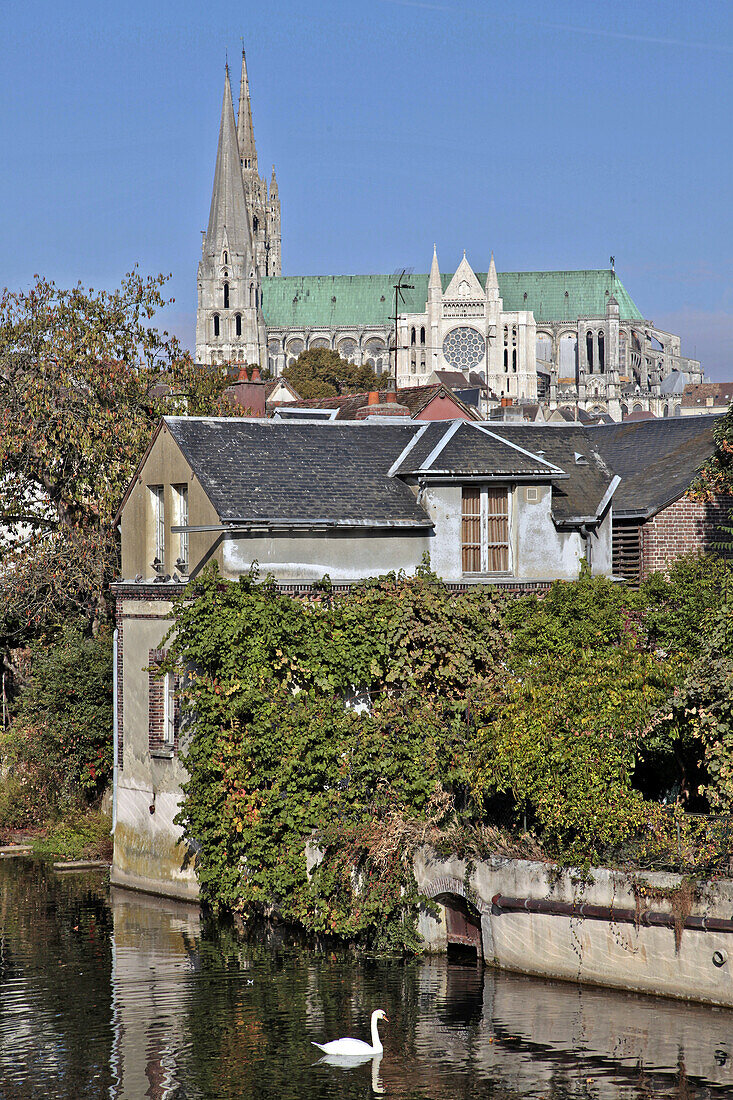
321	372
84	376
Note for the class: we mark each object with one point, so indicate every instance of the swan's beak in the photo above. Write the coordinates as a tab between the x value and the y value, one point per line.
385	1018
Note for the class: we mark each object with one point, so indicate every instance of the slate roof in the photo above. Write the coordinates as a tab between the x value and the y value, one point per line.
273	472
656	459
338	301
588	477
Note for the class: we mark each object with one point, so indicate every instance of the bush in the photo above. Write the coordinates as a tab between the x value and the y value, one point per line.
57	754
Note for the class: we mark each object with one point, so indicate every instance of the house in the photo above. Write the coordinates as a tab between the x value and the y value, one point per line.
258	397
706	398
434	402
515	505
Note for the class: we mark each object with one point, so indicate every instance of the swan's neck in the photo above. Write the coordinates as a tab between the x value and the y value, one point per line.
376	1041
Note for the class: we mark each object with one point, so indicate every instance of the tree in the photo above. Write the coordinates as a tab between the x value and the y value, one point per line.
321	372
83	379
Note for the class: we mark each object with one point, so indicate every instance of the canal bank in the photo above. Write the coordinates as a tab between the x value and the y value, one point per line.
650	932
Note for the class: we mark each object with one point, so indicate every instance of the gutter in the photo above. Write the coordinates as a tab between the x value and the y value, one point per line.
237	526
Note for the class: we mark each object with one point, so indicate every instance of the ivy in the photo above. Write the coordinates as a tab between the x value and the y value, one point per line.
483	712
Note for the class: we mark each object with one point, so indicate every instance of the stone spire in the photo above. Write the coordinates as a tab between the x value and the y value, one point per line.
245	130
228	220
273	184
492	282
434	282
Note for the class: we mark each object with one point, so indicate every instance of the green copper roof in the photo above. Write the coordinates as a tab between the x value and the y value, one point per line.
337	301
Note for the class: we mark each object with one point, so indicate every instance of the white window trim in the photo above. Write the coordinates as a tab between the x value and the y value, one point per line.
157	499
484	521
180	519
169	710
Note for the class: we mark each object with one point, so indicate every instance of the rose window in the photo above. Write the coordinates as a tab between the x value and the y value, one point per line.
464	348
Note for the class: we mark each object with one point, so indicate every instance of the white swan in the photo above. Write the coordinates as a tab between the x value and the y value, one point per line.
355	1048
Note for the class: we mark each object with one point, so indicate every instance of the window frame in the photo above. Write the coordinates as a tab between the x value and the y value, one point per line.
483	544
179	494
157	500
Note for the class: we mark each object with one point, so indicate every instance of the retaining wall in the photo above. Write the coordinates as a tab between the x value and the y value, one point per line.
608	953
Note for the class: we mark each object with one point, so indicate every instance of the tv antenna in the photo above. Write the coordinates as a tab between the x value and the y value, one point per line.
399	299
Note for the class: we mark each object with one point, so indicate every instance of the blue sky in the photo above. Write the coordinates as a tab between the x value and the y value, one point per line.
553	133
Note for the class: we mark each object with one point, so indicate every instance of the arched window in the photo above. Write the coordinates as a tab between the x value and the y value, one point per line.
226	295
514	349
422	362
238	323
226	257
422	335
251	294
589	349
413	361
506	348
216	324
601	352
255	224
412	336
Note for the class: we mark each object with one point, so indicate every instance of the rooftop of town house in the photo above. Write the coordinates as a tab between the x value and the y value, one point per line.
291	473
657	460
699	393
415	398
333	301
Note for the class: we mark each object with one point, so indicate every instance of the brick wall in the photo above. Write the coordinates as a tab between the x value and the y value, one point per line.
684	526
156	706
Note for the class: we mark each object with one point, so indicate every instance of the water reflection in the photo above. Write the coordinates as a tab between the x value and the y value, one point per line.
124	997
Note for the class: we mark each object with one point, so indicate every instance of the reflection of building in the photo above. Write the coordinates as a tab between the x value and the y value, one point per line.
571	338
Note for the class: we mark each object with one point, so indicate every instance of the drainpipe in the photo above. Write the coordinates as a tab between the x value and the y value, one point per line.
115	731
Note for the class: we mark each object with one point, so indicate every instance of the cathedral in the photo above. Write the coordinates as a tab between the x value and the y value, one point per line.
564	339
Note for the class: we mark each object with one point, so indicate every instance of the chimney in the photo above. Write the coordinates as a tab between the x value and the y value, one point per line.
242	376
390	397
506	402
373	397
255	375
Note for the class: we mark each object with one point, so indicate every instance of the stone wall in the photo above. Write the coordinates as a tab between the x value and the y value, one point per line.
621	955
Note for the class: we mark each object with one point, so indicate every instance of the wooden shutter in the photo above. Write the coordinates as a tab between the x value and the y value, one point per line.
626	543
497	521
471	530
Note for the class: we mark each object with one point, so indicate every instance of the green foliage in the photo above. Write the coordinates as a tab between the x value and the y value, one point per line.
275	756
79	836
679	606
84	377
591	614
581	710
563	741
57	754
321	372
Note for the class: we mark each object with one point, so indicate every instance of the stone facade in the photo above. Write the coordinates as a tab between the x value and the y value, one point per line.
241	245
570	339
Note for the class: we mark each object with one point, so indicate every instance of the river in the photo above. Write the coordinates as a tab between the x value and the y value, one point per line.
105	993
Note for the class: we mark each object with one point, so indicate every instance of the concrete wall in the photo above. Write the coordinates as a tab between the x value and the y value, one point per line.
539	550
149	853
165	465
345	556
642	959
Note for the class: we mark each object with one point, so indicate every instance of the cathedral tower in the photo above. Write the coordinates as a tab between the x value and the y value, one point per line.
240	245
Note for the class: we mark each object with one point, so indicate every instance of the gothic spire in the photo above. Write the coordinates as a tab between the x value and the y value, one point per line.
434	280
492	281
228	218
245	131
273	185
